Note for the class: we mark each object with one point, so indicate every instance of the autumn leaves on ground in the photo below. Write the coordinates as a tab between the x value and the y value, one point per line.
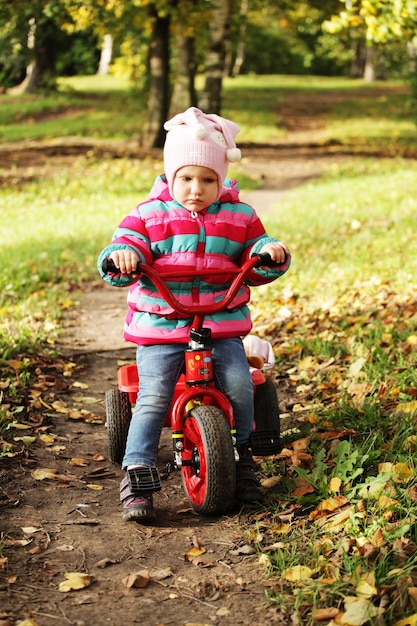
336	540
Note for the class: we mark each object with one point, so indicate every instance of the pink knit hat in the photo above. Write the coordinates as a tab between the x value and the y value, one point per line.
195	138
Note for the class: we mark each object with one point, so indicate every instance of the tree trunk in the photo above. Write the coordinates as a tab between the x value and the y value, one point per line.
215	64
158	100
369	74
241	40
106	55
358	60
40	72
184	94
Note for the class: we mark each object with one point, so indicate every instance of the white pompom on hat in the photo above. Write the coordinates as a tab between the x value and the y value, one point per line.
197	138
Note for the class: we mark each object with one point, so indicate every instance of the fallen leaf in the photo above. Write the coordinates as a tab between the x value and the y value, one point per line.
79	385
30	530
44	473
160	574
366	585
86	399
272	481
335	484
79	462
356	367
138	580
359	611
328	506
75	581
297	573
26	440
195	552
105	562
322	615
407	621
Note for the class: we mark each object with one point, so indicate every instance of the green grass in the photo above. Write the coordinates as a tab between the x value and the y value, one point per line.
342	321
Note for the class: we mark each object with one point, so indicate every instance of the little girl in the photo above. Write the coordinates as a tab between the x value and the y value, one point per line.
193	218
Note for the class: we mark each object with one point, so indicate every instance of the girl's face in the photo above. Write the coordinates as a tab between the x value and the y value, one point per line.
195	187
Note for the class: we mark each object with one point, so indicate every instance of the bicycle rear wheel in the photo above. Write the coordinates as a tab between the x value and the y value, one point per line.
265	441
209	466
118	417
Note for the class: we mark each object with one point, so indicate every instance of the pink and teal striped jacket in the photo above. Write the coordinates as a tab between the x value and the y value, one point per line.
163	233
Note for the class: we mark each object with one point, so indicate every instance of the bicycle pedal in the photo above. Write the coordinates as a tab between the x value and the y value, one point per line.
143	479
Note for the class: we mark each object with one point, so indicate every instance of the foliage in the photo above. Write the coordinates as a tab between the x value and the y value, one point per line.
381	21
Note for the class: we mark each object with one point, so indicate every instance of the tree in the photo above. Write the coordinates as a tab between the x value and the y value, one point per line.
159	65
219	25
377	23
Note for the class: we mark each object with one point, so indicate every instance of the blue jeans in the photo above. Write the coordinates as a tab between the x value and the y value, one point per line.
159	368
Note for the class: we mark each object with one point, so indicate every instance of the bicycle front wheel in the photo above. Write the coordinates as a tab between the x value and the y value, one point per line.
209	466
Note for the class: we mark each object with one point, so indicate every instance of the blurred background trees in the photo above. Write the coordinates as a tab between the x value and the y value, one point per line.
177	52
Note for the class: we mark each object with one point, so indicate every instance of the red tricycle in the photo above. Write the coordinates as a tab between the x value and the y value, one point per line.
200	416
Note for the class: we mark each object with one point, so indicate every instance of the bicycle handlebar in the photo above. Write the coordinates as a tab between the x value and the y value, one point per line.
159	279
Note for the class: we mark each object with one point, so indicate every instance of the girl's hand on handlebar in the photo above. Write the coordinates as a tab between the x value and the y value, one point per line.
277	250
125	260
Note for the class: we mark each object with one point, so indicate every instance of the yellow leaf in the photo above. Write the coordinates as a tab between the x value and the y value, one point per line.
297	573
281	529
27	440
402	473
95	487
29	621
75	581
366	585
308	363
86	399
60	407
406	407
337	522
411	443
44	473
359	611
335	484
46	438
196	552
412	340
80	385
20	426
356	367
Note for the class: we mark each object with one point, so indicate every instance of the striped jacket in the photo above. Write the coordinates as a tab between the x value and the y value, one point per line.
166	235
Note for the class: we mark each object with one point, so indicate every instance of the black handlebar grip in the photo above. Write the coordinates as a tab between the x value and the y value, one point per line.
265	259
108	266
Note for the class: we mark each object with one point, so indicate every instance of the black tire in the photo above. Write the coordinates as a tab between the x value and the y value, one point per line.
265	440
209	466
118	416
